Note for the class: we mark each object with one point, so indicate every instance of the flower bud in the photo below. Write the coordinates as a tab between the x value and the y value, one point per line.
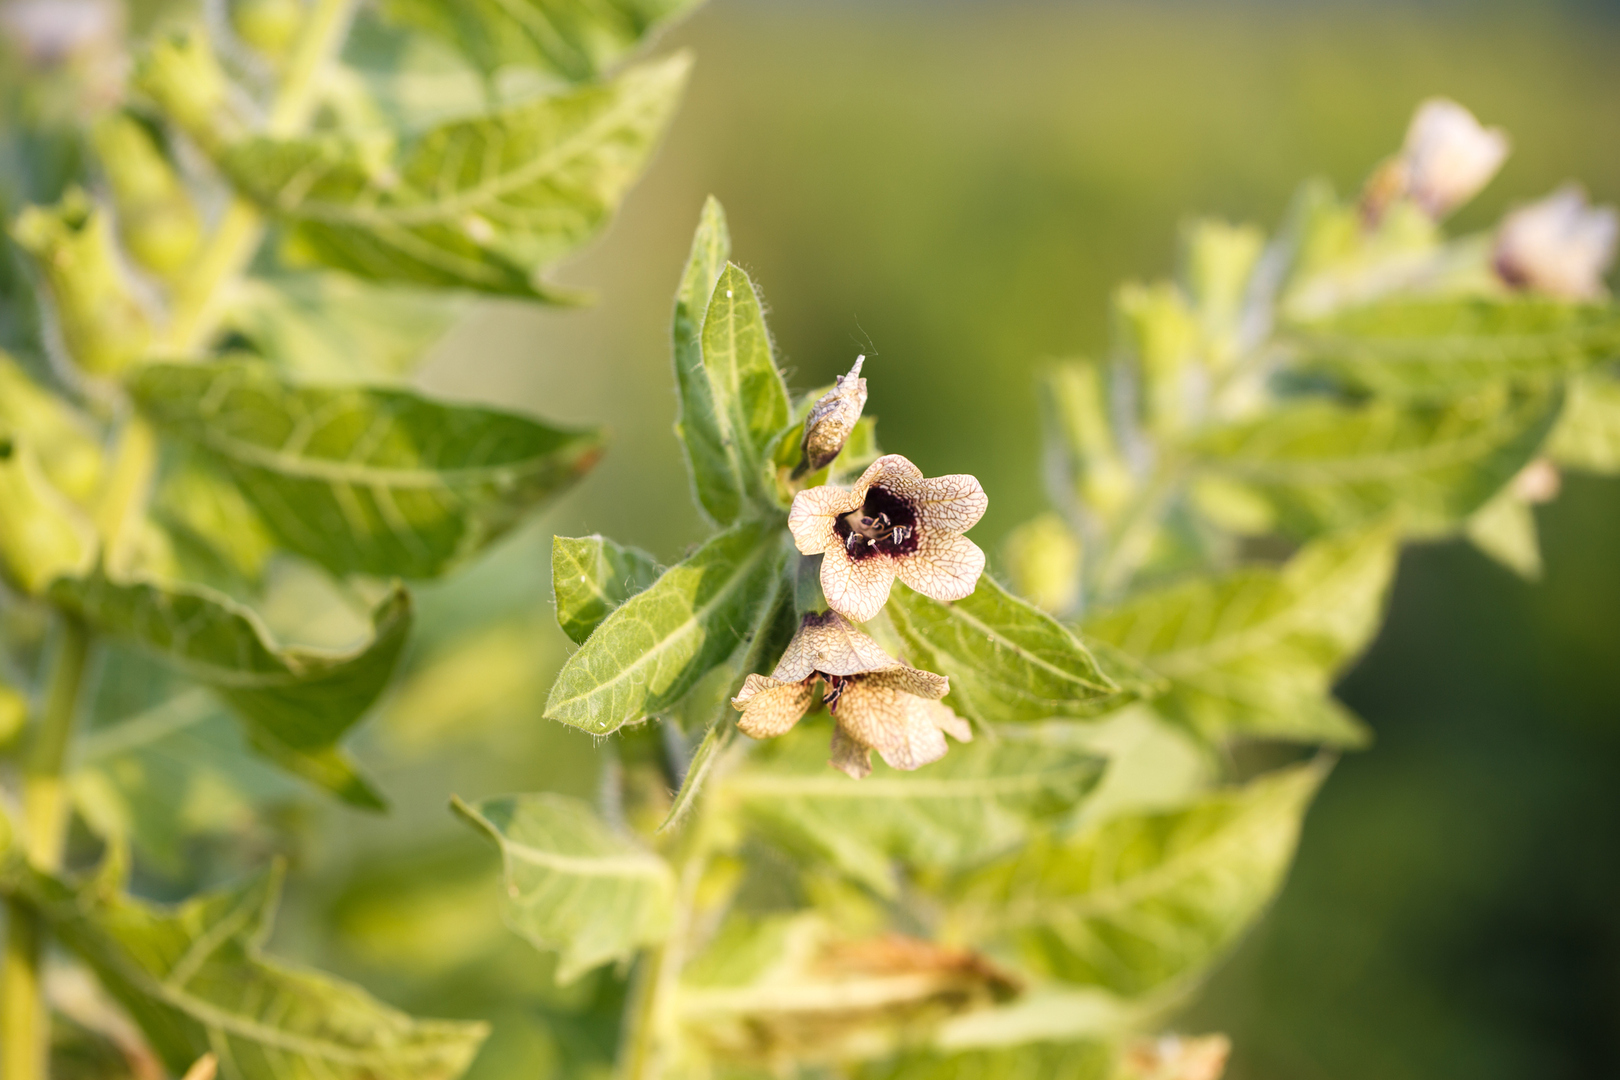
1560	245
156	219
1448	156
270	26
832	419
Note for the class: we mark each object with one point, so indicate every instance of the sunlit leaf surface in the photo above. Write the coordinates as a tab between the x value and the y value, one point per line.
590	576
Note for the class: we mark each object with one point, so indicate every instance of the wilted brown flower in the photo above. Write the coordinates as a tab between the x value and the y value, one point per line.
1447	158
831	420
893	523
878	702
1559	245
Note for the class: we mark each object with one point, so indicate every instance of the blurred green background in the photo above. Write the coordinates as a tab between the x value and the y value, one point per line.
953	189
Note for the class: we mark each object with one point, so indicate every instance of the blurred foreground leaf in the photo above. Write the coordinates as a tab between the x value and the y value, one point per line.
573	885
380	482
297	703
1047	1060
194	980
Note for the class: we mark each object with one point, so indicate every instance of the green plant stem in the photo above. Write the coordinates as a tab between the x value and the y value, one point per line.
200	298
24	1018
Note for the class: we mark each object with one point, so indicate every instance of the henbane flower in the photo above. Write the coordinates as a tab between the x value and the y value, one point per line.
878	702
893	523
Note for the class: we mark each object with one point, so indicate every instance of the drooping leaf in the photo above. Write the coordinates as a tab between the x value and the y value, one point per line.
1587	435
1505	530
482	203
379	482
1136	902
697	424
1317	466
977	800
573	885
42	534
297	703
574	39
1442	347
661	641
1254	652
331	327
591	576
195	981
1007	660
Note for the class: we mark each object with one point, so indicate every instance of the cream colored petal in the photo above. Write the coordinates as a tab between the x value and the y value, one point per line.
891	722
950	504
769	706
940	715
811	517
923	684
856	588
829	643
944	566
891	472
850	757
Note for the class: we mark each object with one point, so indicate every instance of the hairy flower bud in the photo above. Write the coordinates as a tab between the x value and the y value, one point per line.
831	420
1560	245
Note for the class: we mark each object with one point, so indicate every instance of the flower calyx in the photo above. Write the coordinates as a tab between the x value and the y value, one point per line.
893	523
831	420
877	702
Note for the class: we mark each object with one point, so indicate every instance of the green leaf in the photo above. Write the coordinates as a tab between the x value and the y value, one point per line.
1505	530
367	481
1137	902
297	703
750	400
660	642
1253	653
698	425
334	327
42	535
62	440
977	800
573	885
1442	347
591	576
1317	466
482	203
1587	435
1047	1060
574	39
195	981
1008	661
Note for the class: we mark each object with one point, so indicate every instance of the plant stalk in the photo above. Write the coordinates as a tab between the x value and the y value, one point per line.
24	1017
201	297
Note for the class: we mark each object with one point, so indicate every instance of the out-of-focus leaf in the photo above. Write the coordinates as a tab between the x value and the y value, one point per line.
1318	467
60	438
697	423
103	327
1043	558
749	400
792	988
573	885
482	203
977	800
197	505
332	327
1008	661
42	535
591	576
574	39
1505	530
13	715
1047	1060
1587	435
661	641
1136	902
297	703
1442	347
365	481
1254	652
193	978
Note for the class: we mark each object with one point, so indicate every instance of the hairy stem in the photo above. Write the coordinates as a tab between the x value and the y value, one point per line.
201	297
24	1019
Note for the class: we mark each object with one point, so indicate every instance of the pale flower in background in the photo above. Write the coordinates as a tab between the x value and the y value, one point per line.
1560	245
893	523
1448	157
878	702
